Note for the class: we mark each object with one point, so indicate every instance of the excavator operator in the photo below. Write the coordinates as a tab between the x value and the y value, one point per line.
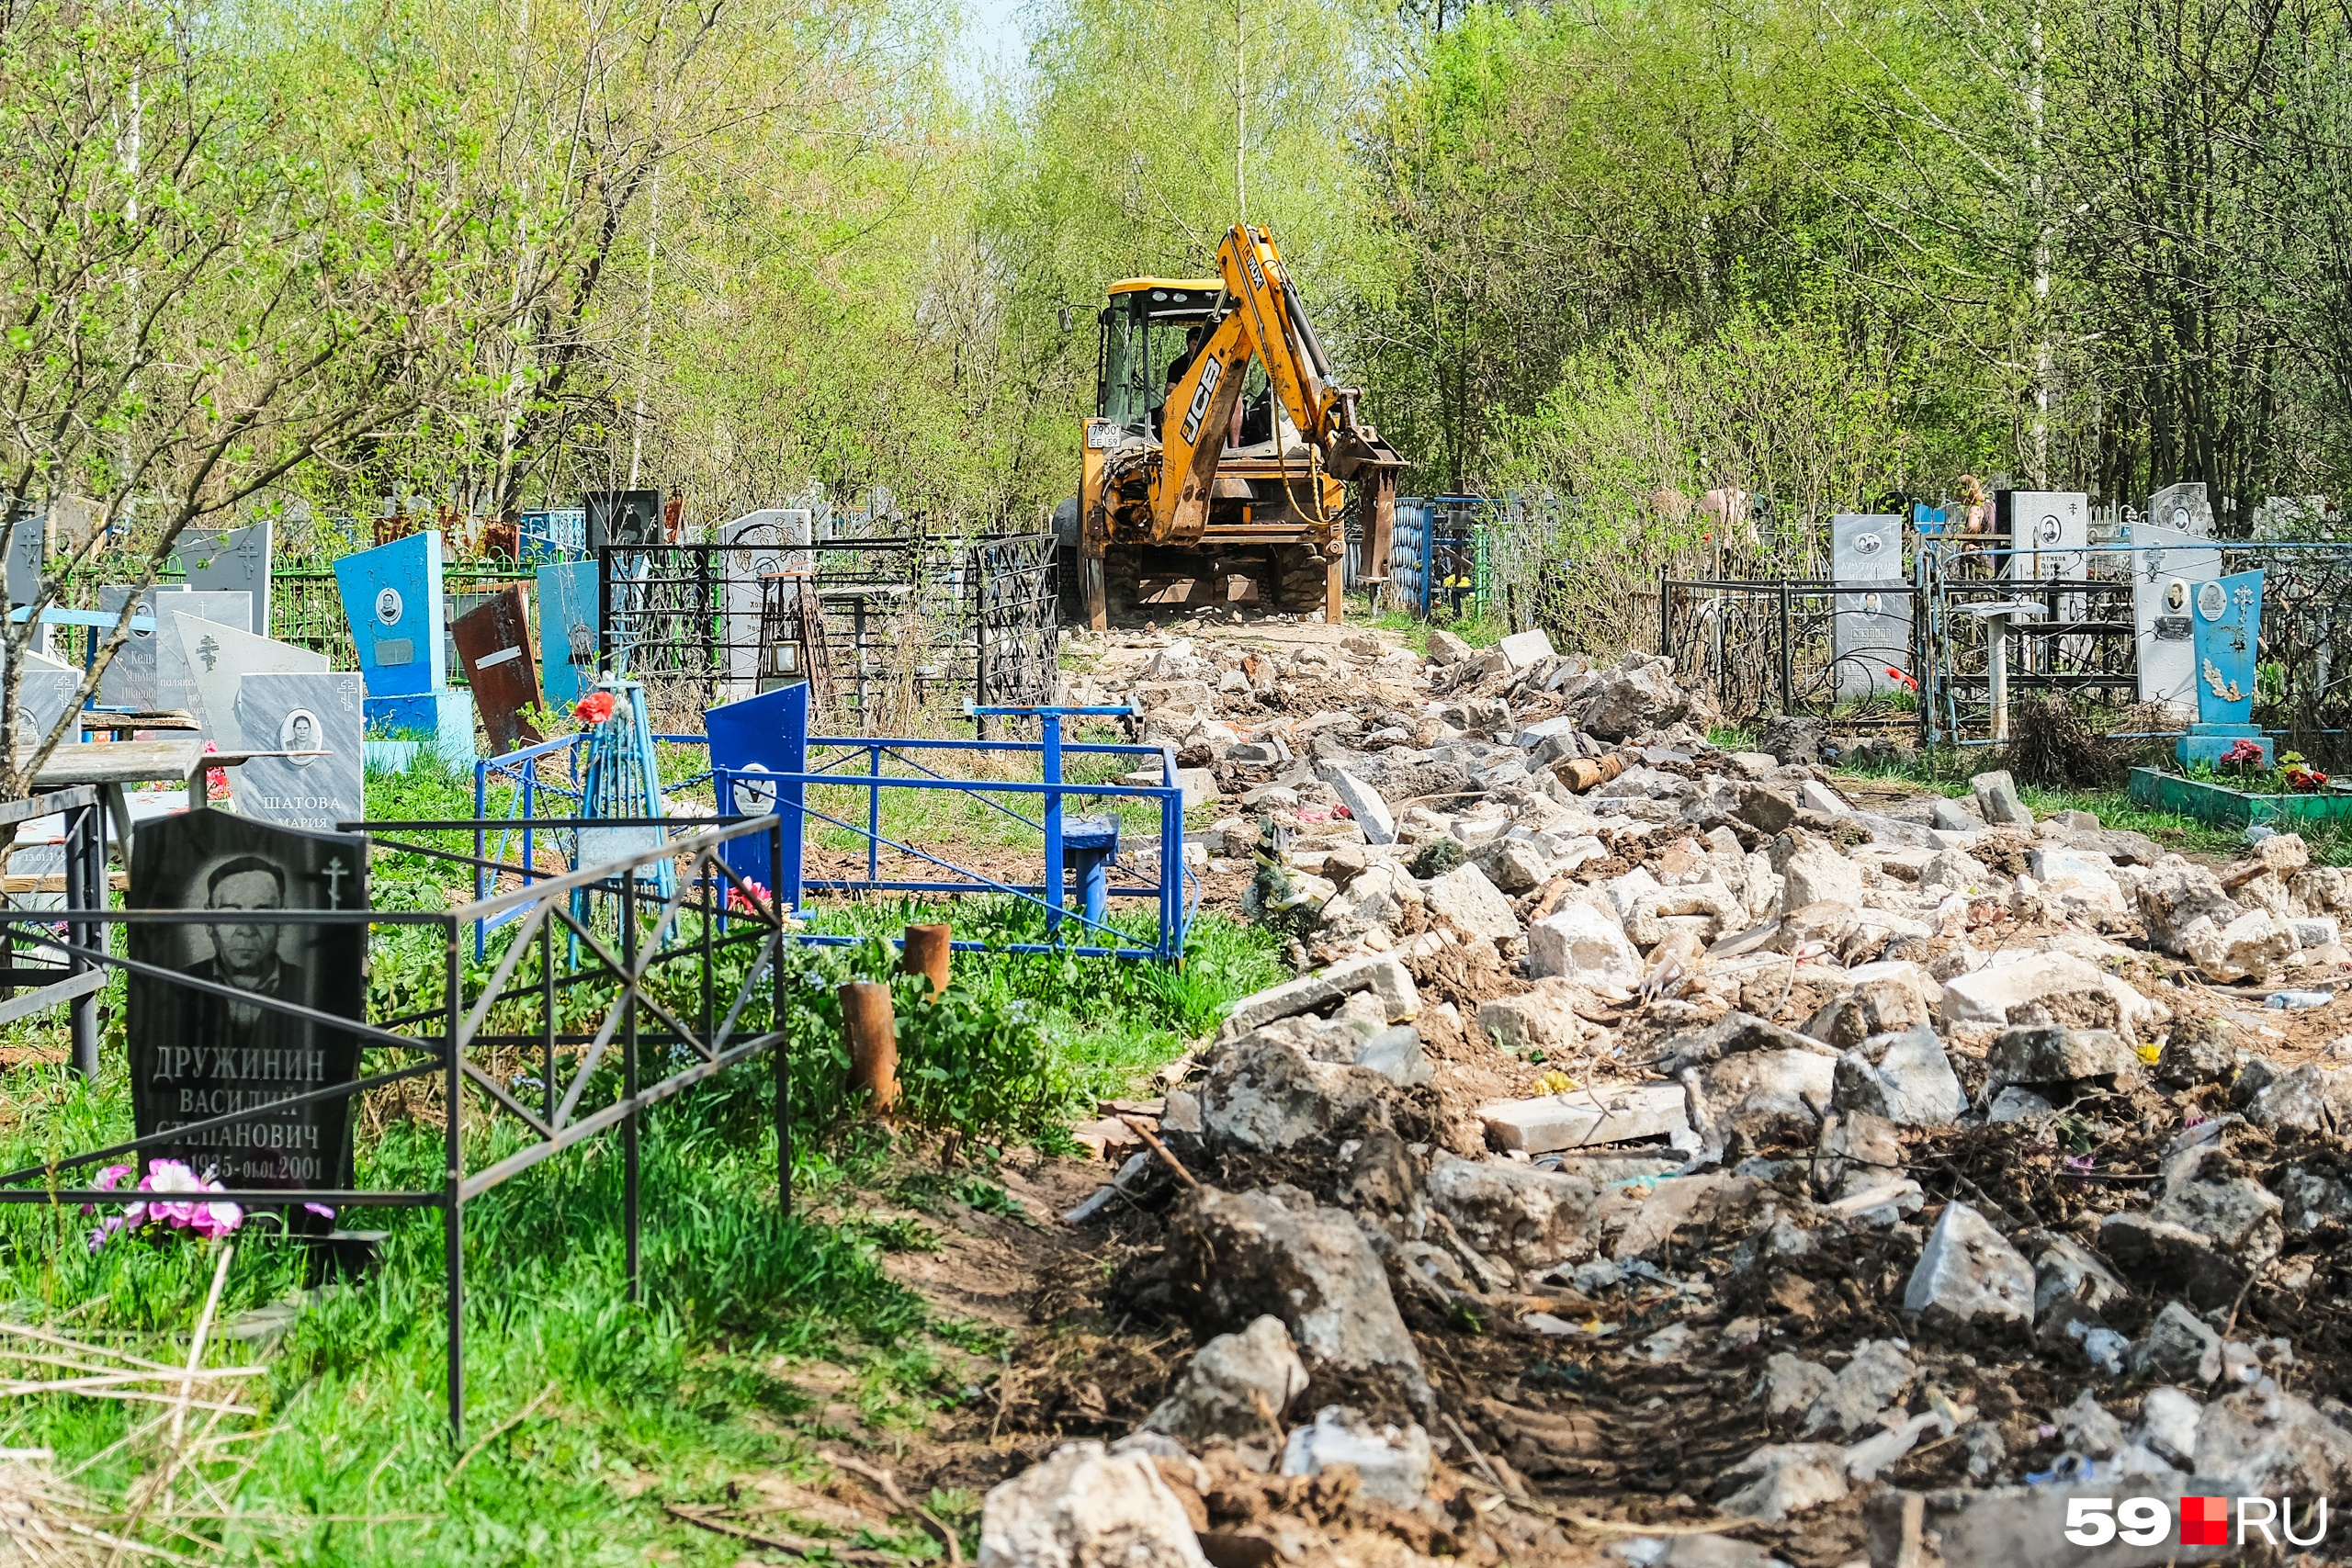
1193	337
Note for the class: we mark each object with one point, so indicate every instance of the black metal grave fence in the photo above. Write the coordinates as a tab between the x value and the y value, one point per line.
618	967
910	621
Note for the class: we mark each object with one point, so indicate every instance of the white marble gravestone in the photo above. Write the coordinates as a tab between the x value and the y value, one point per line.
174	674
2166	566
759	543
1870	631
215	657
2049	530
285	712
2184	508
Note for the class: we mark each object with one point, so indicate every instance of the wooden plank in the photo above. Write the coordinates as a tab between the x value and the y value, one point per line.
48	997
121	761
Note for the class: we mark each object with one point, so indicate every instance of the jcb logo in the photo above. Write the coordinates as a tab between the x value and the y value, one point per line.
1199	408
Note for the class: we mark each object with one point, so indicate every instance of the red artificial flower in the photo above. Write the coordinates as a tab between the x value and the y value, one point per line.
2241	751
1893	673
595	707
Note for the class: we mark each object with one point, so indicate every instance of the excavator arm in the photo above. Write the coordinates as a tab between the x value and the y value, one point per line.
1262	320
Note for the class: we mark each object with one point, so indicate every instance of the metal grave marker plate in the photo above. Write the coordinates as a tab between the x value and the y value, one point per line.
2167	565
391	595
757	736
198	1055
2226	617
1870	631
235	561
286	712
494	644
567	632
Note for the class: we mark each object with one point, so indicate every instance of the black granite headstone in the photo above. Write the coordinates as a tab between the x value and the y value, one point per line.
195	1054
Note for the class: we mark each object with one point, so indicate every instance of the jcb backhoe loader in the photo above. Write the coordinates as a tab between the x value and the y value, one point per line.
1220	455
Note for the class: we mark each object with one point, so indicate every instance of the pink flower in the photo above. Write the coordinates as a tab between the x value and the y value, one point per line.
319	1209
595	707
210	1219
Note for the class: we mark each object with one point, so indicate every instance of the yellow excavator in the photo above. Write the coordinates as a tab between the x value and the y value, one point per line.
1220	455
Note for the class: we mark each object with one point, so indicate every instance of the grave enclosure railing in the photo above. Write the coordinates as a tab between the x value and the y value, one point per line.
911	622
842	786
1768	648
613	999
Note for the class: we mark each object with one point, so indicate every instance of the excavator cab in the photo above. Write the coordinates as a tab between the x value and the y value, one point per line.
1144	328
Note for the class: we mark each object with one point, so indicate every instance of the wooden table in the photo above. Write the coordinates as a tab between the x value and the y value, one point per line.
113	764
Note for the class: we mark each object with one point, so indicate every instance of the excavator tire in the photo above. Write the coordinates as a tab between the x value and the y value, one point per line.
1300	576
1122	579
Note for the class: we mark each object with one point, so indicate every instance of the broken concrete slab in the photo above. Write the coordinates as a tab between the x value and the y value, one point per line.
1463	900
2179	1346
1997	802
2039	1057
1905	1078
1986	995
1512	1212
1085	1506
1970	1277
1585	1118
1234	1258
1237	1386
1782	1479
1392	1463
1580	944
1366	804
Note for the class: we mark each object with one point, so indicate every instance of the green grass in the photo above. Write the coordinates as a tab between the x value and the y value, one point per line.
1478	631
1947	771
666	1400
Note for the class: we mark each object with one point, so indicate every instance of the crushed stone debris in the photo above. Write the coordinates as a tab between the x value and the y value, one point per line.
1665	1155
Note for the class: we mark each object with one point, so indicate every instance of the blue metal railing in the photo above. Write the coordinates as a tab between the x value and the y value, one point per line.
856	762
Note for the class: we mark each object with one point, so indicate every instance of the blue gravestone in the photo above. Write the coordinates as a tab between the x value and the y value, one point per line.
2226	613
567	632
391	595
766	734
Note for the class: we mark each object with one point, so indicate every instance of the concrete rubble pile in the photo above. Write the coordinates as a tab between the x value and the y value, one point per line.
1820	1176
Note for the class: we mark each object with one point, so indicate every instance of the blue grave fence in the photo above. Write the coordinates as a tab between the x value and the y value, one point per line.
767	762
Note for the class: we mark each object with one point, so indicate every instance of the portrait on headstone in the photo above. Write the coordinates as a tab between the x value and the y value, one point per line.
208	1036
303	713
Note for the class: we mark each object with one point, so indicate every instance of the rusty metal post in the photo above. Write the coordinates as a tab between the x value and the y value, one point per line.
872	1030
926	954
